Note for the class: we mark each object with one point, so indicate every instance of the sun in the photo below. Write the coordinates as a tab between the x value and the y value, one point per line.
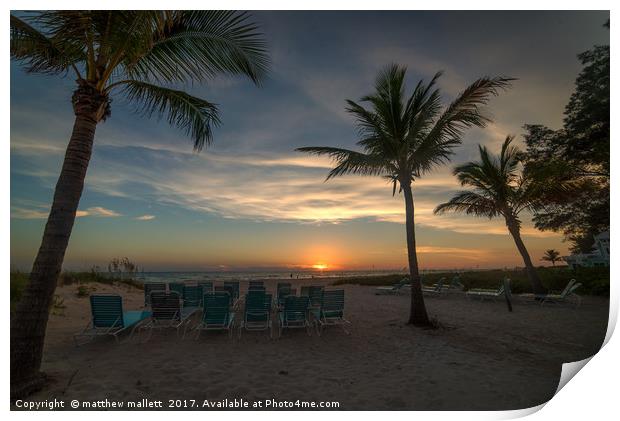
320	266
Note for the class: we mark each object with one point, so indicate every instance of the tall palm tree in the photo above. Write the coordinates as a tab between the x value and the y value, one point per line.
499	188
403	138
130	54
552	256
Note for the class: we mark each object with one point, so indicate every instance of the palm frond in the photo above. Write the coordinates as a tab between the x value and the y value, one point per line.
201	44
195	116
350	162
470	203
465	111
39	53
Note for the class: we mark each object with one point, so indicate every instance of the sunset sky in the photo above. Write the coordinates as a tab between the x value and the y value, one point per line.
249	200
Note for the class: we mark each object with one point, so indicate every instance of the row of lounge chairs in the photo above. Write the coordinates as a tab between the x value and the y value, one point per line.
437	289
567	295
174	307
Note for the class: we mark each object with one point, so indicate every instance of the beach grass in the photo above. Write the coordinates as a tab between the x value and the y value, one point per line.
595	281
19	280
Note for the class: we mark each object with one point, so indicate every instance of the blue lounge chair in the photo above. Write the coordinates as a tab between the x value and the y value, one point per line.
257	312
331	312
295	314
108	318
216	314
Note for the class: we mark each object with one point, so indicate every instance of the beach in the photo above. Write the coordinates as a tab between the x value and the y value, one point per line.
481	357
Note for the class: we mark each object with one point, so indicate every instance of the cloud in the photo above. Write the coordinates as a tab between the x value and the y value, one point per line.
41	211
21	213
145	218
98	211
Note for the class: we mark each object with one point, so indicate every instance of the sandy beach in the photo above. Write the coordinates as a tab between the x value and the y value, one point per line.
481	357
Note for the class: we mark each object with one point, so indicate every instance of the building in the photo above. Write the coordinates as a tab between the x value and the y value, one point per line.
598	257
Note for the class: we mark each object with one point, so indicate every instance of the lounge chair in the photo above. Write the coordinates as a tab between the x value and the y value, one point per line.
108	318
486	294
257	312
315	294
455	285
283	285
283	291
529	297
394	289
207	286
564	297
216	314
256	284
295	314
167	312
176	287
436	289
233	287
331	312
192	296
150	287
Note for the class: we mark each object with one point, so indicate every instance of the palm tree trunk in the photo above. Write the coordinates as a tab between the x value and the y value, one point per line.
29	322
418	315
513	227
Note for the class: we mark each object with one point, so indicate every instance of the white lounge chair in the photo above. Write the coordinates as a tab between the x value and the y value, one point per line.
566	296
394	289
486	294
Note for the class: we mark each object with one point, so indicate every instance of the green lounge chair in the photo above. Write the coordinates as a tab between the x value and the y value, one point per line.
394	289
331	312
257	312
486	294
567	295
167	312
315	294
149	287
207	286
283	291
256	285
229	289
295	314
233	287
216	314
108	318
192	296
176	287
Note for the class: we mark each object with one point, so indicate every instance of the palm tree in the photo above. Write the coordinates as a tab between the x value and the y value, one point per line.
552	256
404	138
499	188
132	54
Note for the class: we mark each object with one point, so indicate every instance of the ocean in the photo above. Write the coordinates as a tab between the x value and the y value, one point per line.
255	275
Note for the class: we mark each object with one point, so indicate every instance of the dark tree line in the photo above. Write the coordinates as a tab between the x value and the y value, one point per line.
576	155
